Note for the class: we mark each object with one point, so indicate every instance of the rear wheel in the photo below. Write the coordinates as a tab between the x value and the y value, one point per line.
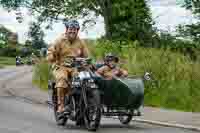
92	115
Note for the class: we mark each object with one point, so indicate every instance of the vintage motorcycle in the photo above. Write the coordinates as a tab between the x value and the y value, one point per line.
84	100
19	61
94	97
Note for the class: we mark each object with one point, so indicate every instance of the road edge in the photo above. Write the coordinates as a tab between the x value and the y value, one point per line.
166	124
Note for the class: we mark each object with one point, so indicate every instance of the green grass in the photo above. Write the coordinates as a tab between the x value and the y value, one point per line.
41	74
177	76
6	61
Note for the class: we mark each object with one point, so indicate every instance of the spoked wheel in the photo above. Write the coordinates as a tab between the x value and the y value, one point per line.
125	119
92	114
80	122
59	121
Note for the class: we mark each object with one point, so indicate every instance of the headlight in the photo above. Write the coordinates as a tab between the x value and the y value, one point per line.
84	75
91	81
75	83
93	86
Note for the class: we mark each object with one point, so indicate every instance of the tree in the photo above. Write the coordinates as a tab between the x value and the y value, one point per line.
8	42
36	36
127	19
193	5
191	31
132	20
8	38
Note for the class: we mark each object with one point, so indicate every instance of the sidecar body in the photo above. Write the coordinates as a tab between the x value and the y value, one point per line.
127	93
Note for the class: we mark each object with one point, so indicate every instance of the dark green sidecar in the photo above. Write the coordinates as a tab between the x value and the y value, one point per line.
122	92
121	97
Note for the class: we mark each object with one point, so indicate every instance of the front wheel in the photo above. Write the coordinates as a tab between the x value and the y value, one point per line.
92	115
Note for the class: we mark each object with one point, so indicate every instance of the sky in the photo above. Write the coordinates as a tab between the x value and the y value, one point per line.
166	13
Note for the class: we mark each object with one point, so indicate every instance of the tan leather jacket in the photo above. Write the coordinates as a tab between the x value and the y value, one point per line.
62	47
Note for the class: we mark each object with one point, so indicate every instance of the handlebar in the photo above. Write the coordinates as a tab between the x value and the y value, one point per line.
78	61
78	58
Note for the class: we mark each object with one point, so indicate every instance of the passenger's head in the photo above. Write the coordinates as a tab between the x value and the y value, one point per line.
111	60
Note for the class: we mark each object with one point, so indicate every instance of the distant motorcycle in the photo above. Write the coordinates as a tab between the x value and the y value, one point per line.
19	61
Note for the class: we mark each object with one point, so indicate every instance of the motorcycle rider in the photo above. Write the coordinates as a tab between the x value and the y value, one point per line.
69	44
110	68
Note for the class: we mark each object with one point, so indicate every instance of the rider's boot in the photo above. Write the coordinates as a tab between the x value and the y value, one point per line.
68	107
60	94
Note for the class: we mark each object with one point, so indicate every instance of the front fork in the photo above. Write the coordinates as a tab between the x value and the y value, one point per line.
84	98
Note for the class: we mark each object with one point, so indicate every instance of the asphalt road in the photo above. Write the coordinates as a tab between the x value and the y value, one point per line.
7	73
11	72
18	115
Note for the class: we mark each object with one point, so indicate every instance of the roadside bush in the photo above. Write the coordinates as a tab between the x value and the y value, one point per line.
8	51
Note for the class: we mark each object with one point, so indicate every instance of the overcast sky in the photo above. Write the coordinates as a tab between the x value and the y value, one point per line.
167	15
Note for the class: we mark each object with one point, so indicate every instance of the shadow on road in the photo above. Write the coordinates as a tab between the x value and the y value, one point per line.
108	127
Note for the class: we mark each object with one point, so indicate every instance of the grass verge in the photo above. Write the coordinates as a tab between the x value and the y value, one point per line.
178	77
6	61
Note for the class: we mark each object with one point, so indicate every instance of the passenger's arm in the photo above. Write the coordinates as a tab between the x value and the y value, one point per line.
100	71
124	72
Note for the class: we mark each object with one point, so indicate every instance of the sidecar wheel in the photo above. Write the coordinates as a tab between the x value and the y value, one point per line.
125	119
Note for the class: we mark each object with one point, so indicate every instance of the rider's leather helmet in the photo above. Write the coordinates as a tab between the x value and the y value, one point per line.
111	57
72	24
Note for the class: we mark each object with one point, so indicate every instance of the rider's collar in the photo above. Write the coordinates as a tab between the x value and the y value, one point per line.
71	42
111	67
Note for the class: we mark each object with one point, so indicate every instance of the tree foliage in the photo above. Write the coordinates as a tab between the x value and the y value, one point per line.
132	20
191	31
36	36
8	42
193	5
7	38
123	19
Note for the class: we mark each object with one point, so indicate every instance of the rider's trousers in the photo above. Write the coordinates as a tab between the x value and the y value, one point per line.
62	77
